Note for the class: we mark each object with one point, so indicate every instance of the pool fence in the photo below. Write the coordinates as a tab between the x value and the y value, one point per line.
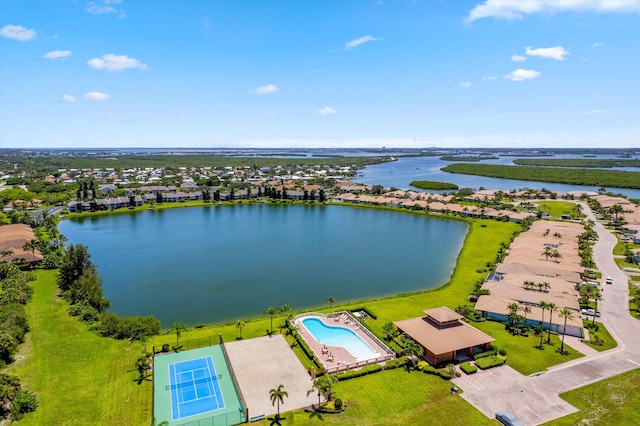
388	355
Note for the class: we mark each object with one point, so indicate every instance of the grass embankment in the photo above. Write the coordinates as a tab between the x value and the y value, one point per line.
599	337
79	377
523	354
433	185
604	178
576	162
556	209
394	397
614	401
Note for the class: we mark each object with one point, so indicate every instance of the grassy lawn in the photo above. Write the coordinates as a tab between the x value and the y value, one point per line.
600	332
614	401
555	208
634	291
522	352
394	397
80	378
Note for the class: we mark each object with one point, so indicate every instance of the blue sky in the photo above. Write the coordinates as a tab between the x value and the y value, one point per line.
332	73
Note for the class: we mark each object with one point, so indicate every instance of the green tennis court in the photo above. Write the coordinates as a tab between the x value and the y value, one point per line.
211	400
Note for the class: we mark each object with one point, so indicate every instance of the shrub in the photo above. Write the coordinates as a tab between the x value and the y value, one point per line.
502	352
491	352
395	363
443	373
490	362
351	374
338	404
166	347
118	327
468	368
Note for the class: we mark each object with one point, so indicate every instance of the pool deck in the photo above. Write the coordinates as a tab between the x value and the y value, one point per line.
342	359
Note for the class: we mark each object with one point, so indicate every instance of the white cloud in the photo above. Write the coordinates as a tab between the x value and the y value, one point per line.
518	58
517	9
490	77
55	54
95	96
465	84
597	44
359	41
104	7
17	32
558	52
522	75
326	111
68	98
111	62
266	90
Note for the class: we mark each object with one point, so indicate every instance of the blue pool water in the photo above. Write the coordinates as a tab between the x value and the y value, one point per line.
339	336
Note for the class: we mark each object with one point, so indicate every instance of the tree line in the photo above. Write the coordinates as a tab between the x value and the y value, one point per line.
81	285
16	292
604	178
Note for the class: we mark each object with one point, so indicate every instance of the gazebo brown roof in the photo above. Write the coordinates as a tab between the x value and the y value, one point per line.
443	315
442	338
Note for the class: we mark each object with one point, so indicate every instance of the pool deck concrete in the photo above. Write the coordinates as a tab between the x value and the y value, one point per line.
263	364
337	357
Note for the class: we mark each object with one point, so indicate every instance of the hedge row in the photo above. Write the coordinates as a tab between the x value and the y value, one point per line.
428	369
493	351
490	362
468	368
352	374
303	345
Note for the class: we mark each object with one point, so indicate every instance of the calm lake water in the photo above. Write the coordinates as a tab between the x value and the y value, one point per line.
219	264
400	173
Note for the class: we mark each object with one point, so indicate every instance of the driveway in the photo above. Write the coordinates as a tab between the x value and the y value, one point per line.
534	399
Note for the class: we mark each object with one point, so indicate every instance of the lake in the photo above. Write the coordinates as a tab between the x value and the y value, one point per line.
223	263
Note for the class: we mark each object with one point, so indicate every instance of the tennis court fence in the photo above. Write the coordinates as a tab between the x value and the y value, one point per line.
219	420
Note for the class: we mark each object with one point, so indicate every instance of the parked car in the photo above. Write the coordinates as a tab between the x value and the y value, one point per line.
507	419
590	312
609	280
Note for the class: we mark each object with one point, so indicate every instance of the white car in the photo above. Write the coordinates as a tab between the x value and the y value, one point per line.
589	312
609	280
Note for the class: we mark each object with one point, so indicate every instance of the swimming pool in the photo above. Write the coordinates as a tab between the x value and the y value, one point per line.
339	336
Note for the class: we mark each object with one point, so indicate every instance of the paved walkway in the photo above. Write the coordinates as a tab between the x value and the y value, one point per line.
534	399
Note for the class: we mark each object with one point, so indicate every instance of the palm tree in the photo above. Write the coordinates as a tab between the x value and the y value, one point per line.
323	386
240	325
551	307
277	396
513	316
31	246
411	347
567	315
272	311
543	305
547	252
178	327
525	310
331	300
6	253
